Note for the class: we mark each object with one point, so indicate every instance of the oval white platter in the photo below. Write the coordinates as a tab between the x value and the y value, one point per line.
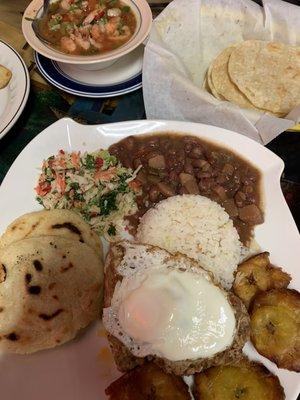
13	97
83	368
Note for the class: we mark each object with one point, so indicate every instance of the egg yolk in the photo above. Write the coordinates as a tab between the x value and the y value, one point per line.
146	313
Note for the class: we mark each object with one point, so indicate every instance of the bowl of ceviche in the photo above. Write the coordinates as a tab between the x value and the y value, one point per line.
92	34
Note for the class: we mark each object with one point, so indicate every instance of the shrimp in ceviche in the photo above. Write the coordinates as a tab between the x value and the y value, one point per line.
87	27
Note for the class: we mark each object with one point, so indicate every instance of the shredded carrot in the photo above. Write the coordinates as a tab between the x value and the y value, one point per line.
61	183
42	189
75	157
105	176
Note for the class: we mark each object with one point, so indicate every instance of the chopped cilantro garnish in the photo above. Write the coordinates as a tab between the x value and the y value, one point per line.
40	201
87	216
107	203
123	186
78	196
120	29
112	230
74	185
125	9
73	7
89	161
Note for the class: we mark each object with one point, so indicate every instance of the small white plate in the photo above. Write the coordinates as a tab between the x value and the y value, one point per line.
14	96
83	368
124	76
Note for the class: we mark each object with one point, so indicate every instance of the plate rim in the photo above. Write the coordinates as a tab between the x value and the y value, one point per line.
69	121
24	99
40	59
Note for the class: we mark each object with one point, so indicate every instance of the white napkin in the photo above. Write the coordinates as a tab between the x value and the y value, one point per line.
185	39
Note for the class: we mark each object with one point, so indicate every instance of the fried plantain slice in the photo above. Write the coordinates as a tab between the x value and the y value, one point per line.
280	279
148	382
246	381
275	327
256	275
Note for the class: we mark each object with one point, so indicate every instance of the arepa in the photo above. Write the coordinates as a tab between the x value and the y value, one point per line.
63	223
50	288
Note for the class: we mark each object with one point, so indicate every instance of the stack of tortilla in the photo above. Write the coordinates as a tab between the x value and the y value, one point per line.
259	75
51	274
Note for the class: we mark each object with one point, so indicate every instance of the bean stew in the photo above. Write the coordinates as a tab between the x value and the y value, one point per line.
180	164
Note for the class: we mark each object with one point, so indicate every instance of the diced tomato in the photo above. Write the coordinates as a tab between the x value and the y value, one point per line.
99	162
134	185
66	18
100	15
105	176
43	188
61	152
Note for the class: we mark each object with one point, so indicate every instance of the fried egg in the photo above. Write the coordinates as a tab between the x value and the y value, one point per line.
169	307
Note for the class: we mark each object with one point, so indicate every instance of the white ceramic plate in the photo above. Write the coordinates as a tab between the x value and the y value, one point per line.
14	96
124	76
83	368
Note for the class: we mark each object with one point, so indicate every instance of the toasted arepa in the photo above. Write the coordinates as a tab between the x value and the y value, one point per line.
63	223
50	287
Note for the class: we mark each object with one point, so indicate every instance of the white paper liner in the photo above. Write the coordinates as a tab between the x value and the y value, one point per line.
185	39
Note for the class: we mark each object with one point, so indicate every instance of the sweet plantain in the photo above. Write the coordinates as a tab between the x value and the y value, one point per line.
245	381
275	327
256	275
148	382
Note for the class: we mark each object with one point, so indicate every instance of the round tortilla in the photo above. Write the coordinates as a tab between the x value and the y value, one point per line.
211	85
50	287
64	223
222	82
268	73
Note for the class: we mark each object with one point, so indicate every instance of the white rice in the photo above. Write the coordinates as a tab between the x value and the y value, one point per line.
198	227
